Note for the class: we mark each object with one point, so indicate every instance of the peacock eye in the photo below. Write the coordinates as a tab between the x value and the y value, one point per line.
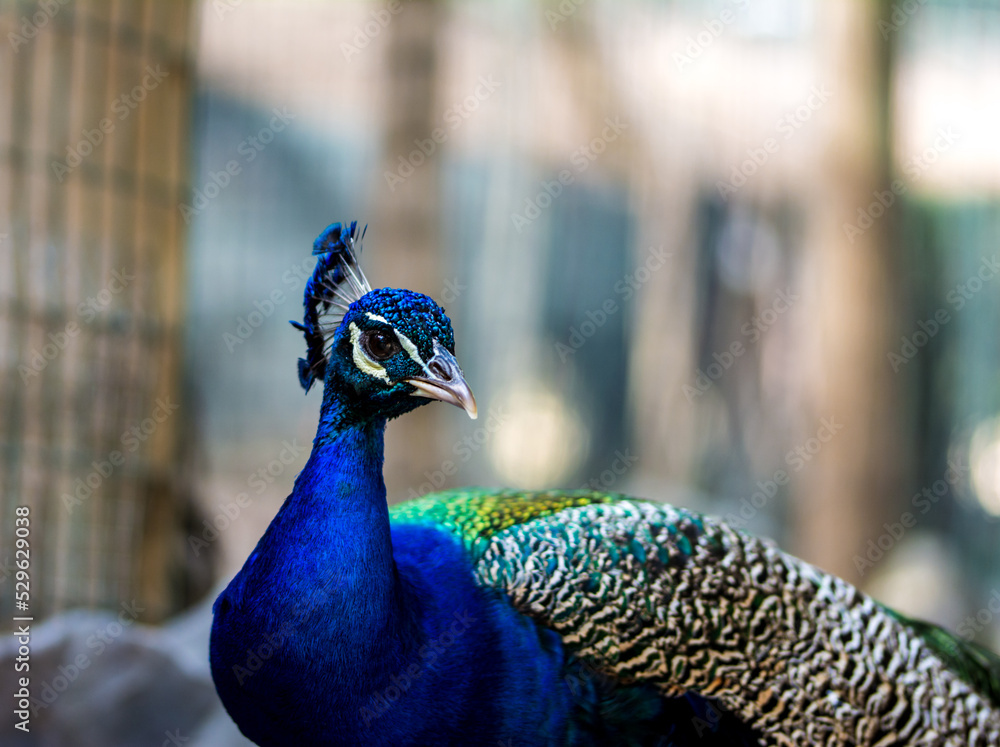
380	344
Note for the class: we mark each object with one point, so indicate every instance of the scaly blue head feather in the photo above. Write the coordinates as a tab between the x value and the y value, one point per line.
385	351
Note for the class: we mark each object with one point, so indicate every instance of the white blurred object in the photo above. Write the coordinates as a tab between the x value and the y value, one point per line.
984	459
920	578
542	440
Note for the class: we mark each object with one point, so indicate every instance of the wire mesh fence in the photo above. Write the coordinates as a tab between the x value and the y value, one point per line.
93	161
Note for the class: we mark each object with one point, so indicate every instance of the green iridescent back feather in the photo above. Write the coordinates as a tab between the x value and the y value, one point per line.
478	515
475	515
976	665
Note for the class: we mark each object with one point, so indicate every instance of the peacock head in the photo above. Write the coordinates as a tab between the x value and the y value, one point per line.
384	351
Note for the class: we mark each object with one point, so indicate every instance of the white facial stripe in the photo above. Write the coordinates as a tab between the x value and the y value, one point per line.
362	361
377	318
411	349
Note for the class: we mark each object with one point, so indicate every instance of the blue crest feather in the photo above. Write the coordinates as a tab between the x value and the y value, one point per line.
336	282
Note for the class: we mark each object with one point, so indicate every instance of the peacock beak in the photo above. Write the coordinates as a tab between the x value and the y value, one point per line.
445	382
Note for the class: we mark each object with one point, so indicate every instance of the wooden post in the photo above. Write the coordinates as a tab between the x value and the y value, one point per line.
856	480
407	214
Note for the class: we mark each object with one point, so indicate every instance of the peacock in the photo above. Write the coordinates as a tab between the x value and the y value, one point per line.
509	618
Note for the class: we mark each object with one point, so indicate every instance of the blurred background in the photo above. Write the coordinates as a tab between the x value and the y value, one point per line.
738	255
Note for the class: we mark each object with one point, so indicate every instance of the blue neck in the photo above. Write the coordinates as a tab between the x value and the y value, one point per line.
329	545
341	642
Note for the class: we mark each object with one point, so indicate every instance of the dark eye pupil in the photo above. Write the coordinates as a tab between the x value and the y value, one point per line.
382	345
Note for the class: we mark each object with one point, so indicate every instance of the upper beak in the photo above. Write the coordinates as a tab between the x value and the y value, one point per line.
445	382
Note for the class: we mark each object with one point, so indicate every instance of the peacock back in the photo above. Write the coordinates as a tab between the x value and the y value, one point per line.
660	597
